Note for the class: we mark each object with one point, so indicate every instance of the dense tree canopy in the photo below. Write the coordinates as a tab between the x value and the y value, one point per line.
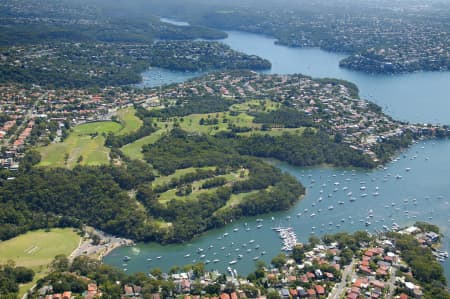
11	277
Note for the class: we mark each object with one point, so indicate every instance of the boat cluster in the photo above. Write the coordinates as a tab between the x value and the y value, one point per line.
288	236
440	255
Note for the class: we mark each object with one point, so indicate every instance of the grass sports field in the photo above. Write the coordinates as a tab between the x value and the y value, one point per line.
86	140
37	249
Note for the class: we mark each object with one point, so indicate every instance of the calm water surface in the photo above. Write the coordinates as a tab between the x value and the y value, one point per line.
417	97
423	193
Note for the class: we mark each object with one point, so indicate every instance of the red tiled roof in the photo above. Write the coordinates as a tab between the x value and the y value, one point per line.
224	296
388	258
128	290
319	289
357	283
352	296
365	269
377	284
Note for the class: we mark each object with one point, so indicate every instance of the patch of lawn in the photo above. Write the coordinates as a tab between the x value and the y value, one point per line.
37	249
85	140
97	127
237	198
134	150
191	123
130	122
276	131
196	185
179	172
256	106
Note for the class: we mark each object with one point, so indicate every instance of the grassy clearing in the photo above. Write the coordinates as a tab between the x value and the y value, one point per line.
179	172
134	150
130	122
99	127
196	185
37	249
275	132
191	123
236	199
256	106
162	224
171	194
81	142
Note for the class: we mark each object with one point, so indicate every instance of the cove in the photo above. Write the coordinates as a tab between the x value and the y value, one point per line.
423	193
418	97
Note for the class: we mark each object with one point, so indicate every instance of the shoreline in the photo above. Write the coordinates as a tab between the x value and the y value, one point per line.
105	244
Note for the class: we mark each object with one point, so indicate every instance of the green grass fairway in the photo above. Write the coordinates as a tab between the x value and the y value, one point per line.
134	150
80	143
196	185
37	249
256	105
236	199
169	195
130	122
191	123
276	132
97	127
178	173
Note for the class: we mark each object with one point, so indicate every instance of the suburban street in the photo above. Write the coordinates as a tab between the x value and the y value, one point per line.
340	287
